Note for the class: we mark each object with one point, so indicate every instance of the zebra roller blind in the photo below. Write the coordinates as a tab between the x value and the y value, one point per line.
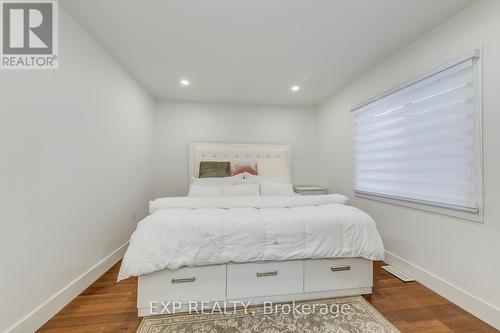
421	143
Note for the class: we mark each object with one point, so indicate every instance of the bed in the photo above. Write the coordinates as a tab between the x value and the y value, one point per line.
250	249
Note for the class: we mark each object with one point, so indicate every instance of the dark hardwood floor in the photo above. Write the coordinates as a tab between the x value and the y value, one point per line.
107	306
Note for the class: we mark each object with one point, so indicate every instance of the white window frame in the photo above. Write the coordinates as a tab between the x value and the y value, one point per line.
471	216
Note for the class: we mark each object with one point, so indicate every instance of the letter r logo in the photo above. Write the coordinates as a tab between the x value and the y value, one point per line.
27	27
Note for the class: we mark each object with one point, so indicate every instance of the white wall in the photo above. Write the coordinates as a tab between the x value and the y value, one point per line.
463	254
179	124
76	158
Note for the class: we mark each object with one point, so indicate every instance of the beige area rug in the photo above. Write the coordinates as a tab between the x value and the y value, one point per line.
358	316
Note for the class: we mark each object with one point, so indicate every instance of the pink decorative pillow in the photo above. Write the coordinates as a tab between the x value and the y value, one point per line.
240	168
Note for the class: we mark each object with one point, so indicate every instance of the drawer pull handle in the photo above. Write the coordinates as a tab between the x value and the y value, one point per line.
263	274
340	268
191	279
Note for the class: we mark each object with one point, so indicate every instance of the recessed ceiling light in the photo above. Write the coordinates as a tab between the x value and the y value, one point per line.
295	88
185	82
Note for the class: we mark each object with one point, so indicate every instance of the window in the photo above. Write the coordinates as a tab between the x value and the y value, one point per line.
421	142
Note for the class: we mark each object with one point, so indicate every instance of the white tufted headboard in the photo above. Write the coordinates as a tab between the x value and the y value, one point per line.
230	151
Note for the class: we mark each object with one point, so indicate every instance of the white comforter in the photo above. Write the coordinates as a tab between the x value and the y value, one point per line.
179	233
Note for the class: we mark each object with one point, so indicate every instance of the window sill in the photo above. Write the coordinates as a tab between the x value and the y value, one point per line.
477	218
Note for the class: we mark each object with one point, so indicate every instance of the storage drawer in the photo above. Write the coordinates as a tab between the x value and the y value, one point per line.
334	274
206	283
264	279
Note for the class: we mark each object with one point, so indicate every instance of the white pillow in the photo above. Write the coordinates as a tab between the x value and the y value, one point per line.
252	179
240	190
276	189
204	191
248	178
211	181
272	167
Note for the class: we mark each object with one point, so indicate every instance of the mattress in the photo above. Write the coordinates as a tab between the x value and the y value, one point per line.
194	232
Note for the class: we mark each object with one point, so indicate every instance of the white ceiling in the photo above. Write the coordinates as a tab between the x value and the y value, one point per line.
253	51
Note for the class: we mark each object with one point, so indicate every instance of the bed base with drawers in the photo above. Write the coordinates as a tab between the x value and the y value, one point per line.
256	282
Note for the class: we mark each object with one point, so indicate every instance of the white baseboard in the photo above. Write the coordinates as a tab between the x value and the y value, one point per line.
36	318
478	307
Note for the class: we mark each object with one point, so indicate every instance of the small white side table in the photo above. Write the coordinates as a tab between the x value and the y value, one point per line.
309	190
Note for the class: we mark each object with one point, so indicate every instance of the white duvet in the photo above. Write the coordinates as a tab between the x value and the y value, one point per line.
196	232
